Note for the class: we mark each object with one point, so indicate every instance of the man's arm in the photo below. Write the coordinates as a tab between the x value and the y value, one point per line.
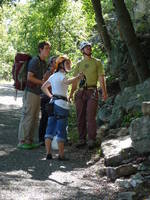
33	79
103	86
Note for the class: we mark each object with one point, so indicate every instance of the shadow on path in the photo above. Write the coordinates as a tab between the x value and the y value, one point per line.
31	161
26	175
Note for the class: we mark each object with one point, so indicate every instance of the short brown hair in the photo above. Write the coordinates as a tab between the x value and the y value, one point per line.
42	44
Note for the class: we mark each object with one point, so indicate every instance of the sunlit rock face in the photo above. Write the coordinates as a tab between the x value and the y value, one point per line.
140	129
129	100
141	8
141	13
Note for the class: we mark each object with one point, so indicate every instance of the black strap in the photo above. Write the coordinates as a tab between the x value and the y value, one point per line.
56	97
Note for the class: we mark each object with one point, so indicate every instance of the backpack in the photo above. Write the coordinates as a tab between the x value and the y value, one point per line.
19	70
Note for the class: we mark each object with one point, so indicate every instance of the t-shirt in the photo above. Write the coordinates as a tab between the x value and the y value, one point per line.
59	88
38	67
92	69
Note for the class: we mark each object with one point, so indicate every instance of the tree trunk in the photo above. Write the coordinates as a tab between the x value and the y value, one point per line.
101	25
129	36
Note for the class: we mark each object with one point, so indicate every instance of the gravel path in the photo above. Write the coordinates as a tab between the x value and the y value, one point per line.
26	175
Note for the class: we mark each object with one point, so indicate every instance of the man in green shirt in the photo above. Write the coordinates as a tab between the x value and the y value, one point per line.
86	96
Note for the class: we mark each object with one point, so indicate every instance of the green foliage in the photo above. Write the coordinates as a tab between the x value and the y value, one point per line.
110	79
99	152
88	11
128	118
56	21
107	6
6	2
98	53
65	23
6	51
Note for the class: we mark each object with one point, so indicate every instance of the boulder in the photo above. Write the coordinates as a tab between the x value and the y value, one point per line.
140	134
120	171
130	99
126	195
146	108
116	151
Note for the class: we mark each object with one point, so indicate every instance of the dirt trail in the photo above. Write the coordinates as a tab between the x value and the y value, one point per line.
26	175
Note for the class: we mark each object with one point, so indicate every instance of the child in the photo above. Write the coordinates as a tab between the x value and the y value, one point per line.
57	123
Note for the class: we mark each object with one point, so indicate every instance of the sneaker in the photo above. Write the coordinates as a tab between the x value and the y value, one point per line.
81	143
48	156
25	146
62	158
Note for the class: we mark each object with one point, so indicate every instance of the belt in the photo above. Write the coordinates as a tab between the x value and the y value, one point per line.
91	87
56	97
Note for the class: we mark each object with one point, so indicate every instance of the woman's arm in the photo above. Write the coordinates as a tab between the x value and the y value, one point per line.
45	89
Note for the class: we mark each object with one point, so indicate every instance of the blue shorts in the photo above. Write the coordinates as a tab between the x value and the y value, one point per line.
57	124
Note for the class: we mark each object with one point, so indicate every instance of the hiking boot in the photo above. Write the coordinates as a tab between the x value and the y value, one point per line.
49	156
91	144
42	144
62	158
81	143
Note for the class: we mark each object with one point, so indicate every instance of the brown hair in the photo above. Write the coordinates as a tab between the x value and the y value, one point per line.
42	44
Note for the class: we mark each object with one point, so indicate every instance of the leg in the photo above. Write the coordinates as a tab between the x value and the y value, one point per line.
43	120
48	149
61	129
21	130
80	103
91	114
30	116
48	146
61	149
35	118
50	133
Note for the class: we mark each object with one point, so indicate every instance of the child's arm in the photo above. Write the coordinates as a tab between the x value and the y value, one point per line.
74	79
45	89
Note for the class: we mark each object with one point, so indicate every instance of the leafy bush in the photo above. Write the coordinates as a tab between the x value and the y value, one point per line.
5	72
128	118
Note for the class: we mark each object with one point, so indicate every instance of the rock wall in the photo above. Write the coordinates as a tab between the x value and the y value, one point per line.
142	15
129	100
140	130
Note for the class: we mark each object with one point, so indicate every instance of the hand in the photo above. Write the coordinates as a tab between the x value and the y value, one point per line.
105	96
70	98
50	96
46	76
80	75
42	81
